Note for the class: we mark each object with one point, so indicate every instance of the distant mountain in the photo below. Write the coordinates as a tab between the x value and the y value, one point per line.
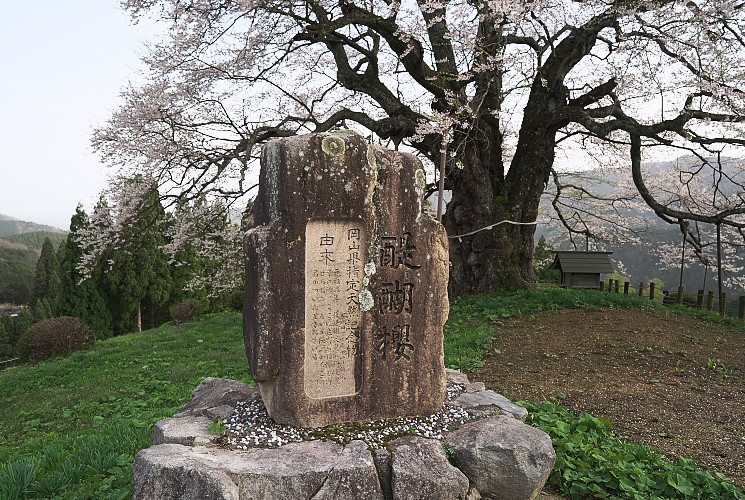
20	246
11	225
33	240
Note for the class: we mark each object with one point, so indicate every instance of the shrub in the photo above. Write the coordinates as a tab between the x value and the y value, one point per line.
54	336
186	310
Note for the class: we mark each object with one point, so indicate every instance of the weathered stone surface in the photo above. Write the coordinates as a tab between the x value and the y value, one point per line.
503	457
312	470
421	470
186	431
489	403
456	377
354	476
473	494
475	387
172	471
216	396
346	296
383	462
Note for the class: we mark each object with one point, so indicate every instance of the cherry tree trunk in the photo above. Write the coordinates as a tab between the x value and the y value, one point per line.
483	195
488	258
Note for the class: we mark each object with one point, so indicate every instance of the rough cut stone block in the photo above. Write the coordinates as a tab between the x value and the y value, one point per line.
456	377
359	480
346	284
187	431
310	470
490	402
383	461
503	457
421	470
172	471
214	394
475	387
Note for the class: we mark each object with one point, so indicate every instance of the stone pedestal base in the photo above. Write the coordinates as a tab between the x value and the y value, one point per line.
494	456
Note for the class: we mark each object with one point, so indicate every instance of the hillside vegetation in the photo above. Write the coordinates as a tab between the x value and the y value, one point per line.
129	286
19	253
9	227
35	240
71	426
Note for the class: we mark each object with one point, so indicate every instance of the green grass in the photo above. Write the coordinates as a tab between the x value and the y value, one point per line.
70	427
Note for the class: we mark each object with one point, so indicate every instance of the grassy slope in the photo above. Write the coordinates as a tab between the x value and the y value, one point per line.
118	388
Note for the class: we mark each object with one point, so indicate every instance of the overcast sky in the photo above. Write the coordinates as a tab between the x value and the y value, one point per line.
63	65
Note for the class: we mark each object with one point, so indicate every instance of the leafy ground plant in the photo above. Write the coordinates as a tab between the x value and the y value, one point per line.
592	462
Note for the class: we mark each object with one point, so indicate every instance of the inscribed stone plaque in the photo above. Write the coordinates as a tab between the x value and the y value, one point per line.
346	293
333	281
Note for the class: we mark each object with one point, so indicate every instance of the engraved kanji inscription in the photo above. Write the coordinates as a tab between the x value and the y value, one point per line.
333	281
395	297
394	342
398	251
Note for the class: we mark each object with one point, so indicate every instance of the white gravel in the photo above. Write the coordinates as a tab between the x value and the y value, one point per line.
251	427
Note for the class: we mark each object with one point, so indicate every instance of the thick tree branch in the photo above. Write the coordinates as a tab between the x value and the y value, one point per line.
666	212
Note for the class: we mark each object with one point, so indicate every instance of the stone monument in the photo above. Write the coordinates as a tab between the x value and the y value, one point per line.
345	305
346	284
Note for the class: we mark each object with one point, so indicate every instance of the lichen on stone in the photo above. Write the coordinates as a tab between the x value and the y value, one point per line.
370	268
344	132
366	300
333	145
421	179
371	161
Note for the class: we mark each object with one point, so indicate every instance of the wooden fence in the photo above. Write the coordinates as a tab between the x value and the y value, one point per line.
703	300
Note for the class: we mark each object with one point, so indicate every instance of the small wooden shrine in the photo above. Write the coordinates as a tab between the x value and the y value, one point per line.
581	269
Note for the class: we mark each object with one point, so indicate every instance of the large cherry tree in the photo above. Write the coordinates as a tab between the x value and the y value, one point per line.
506	91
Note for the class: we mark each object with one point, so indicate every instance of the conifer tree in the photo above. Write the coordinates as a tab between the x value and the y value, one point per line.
42	310
542	259
206	259
60	254
139	275
79	297
15	283
46	278
6	348
21	323
185	264
7	321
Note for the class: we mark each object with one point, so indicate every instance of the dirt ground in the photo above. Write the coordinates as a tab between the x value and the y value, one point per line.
673	382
